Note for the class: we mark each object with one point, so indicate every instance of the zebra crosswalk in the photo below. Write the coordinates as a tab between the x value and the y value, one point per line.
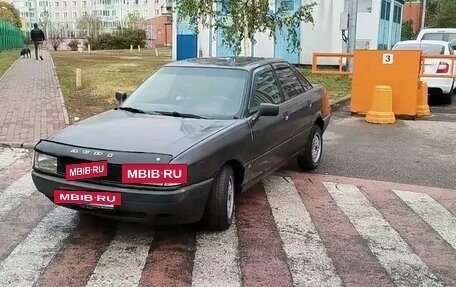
290	230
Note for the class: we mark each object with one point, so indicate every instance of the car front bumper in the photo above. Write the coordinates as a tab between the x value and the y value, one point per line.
180	206
443	84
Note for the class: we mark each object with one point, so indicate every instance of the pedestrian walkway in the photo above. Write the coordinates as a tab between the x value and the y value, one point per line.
31	103
293	229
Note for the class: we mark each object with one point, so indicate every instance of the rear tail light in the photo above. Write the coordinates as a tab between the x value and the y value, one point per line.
326	107
443	68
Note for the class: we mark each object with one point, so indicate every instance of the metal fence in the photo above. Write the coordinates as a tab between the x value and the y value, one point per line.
11	37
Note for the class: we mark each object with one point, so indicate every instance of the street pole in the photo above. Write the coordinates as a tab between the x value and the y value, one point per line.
352	20
423	14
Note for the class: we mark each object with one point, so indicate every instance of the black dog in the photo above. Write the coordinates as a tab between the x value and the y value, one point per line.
26	52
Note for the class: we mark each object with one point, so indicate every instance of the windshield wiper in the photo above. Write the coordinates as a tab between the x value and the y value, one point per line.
133	110
180	115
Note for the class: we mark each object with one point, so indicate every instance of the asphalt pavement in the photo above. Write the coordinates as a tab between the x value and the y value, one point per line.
410	151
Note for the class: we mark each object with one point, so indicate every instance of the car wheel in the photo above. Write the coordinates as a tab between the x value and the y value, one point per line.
310	158
220	207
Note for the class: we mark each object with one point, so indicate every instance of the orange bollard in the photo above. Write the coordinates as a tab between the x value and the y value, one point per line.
381	111
423	107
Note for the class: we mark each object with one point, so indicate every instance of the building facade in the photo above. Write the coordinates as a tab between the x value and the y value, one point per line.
64	15
378	27
413	11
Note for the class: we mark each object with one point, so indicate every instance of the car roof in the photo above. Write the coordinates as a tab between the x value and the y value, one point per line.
238	62
436	42
438	30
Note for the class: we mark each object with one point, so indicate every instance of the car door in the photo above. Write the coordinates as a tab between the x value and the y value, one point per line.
298	102
268	133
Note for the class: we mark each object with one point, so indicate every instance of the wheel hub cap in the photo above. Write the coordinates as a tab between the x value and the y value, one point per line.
316	147
230	198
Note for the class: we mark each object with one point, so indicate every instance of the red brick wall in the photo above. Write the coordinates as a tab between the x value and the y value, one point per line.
163	31
412	11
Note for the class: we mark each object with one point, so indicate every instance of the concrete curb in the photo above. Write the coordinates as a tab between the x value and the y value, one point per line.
26	145
59	88
339	103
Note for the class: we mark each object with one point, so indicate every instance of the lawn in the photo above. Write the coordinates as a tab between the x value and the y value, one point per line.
337	86
105	72
7	58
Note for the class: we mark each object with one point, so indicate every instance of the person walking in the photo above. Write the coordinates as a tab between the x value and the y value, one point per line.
38	37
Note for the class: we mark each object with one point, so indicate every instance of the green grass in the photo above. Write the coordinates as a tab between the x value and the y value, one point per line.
103	73
7	58
337	86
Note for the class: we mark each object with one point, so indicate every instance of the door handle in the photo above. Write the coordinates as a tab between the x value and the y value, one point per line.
309	103
286	116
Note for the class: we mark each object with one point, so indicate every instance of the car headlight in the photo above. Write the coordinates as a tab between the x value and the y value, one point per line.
45	162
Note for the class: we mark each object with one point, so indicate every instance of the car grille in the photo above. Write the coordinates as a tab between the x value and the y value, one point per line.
114	170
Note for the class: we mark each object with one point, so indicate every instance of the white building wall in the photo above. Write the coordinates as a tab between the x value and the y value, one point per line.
368	24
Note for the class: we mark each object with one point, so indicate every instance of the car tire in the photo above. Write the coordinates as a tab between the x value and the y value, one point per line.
219	211
311	157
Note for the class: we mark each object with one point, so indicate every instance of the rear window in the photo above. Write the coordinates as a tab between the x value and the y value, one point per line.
447	37
425	48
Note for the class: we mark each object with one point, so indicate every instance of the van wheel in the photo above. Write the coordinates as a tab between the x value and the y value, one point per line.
220	207
311	157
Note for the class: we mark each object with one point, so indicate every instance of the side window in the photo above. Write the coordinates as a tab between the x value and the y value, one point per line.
266	90
304	82
289	82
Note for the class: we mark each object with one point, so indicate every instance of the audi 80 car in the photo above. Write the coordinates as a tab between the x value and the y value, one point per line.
233	121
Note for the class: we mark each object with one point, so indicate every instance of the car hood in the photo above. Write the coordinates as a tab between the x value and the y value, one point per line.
118	130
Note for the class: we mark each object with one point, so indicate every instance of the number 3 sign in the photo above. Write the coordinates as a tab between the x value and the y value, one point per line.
388	59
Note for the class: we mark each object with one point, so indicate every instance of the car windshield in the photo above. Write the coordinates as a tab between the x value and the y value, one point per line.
432	49
214	93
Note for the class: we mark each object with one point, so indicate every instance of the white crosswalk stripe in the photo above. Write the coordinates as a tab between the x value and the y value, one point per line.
124	259
216	259
403	265
440	219
15	194
25	263
307	258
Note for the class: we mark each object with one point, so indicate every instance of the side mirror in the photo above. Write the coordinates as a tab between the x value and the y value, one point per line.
121	96
266	110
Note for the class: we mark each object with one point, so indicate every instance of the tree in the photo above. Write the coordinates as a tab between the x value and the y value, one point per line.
407	32
10	14
240	20
89	25
445	14
133	20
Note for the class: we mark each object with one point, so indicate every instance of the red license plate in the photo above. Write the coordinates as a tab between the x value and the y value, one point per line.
90	198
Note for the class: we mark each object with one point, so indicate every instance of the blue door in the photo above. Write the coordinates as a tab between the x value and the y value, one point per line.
281	45
187	46
223	50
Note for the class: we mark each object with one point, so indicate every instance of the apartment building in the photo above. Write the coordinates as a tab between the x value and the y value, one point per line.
63	15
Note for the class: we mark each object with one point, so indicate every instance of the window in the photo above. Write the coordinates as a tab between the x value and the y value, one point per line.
304	82
288	80
146	13
385	10
84	13
157	12
135	2
73	3
65	14
432	49
56	4
397	14
156	1
84	3
75	14
57	15
65	4
266	90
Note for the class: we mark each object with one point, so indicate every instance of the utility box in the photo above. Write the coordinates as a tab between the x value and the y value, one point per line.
343	21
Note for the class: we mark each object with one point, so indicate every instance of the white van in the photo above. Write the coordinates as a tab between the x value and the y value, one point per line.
439	34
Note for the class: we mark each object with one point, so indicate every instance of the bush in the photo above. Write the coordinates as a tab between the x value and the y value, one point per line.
120	39
73	45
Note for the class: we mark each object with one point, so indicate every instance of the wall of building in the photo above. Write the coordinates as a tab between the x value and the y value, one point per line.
413	11
159	31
